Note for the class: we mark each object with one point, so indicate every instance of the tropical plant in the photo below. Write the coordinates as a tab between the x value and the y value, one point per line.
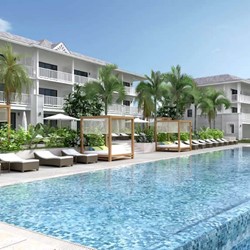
107	87
211	102
12	74
77	104
180	91
144	99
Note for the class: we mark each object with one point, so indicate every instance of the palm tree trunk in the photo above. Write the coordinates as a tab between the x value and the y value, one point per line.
106	108
195	118
155	135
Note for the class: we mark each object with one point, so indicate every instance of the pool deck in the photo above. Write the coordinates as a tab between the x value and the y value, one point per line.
14	238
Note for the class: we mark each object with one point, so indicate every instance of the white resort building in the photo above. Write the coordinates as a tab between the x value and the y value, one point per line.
54	70
235	121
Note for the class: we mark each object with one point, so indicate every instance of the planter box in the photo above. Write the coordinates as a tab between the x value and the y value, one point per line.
141	147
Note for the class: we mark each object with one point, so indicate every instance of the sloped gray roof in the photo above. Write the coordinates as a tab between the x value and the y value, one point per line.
49	45
216	79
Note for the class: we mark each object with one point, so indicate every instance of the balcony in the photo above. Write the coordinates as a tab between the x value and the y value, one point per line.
23	99
117	109
130	91
241	98
58	76
82	79
53	102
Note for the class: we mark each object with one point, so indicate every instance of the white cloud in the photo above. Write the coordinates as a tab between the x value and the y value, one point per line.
4	25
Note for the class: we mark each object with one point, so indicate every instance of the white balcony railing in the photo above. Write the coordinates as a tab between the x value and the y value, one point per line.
130	91
118	109
55	75
23	99
83	79
30	70
234	97
53	101
245	99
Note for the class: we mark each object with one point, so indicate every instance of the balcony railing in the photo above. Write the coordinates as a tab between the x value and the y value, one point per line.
23	99
123	110
55	75
53	102
83	79
130	91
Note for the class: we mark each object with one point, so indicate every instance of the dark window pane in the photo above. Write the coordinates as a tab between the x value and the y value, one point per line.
80	73
189	113
48	92
47	66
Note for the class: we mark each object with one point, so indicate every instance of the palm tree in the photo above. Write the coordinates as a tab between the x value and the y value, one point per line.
155	86
181	87
106	86
12	74
152	91
144	99
211	102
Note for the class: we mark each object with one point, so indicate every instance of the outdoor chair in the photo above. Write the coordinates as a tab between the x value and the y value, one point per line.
47	158
200	144
19	164
80	158
194	146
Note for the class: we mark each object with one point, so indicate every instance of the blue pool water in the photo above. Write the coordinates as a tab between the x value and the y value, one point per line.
147	206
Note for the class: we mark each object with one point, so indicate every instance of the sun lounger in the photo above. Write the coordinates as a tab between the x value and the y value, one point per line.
47	158
173	147
217	142
208	144
200	144
19	164
78	157
194	146
226	141
222	142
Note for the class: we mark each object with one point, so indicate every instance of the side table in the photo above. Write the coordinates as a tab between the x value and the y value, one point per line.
5	163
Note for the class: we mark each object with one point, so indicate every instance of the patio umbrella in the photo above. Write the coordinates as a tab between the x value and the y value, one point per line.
61	117
24	121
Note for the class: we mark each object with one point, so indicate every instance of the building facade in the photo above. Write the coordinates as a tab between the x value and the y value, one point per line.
235	121
54	70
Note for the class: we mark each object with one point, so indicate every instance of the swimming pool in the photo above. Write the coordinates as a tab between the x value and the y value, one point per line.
160	205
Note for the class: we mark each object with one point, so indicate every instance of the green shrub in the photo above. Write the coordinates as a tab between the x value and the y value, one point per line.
207	133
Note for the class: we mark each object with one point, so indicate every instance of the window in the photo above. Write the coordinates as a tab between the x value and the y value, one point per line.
81	73
48	92
234	110
126	103
47	66
189	113
232	128
234	91
126	84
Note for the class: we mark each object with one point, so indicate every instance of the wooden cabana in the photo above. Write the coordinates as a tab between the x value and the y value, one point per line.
166	125
108	125
5	113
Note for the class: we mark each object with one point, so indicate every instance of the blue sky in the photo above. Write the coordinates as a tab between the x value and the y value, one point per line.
205	37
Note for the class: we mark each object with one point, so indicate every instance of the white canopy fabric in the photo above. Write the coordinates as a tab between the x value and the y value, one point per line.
24	121
61	117
139	120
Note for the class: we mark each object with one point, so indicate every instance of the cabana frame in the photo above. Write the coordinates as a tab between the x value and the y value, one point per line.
108	138
8	109
168	121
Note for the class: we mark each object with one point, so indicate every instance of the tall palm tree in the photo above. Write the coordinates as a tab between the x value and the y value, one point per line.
144	99
155	86
106	86
181	87
12	74
211	102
